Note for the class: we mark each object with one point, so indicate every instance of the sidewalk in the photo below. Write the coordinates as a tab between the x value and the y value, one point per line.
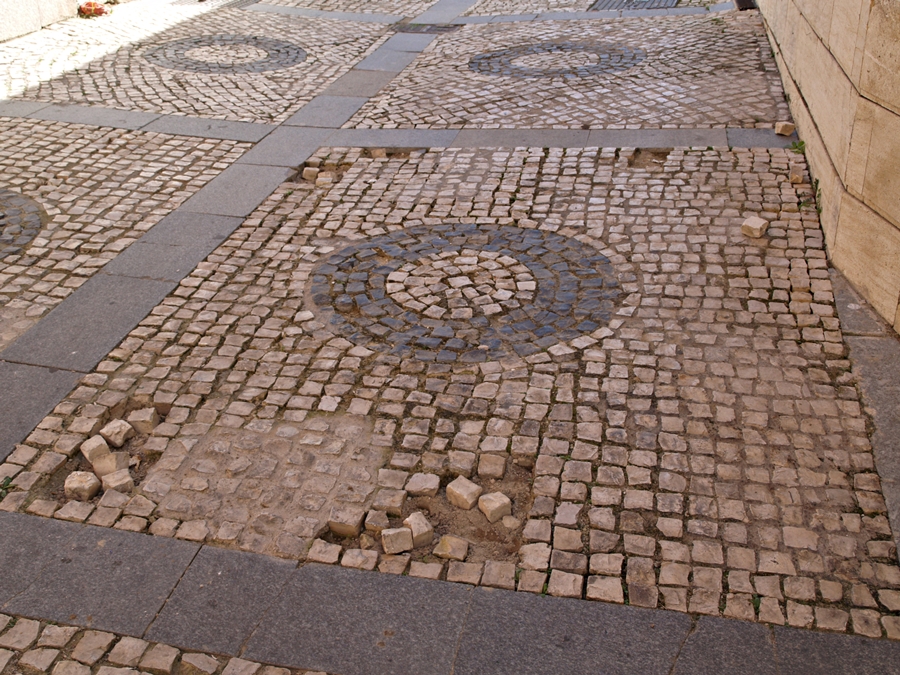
391	322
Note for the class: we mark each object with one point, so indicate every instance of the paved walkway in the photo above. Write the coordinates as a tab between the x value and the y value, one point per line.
454	291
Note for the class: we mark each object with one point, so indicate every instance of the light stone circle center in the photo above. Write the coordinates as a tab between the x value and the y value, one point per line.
461	285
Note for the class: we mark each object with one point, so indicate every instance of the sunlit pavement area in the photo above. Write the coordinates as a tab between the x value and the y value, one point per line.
411	337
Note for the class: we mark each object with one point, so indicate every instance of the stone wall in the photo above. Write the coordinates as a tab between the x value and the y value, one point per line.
840	62
25	16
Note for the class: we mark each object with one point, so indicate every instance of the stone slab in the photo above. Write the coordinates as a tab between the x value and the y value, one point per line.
393	138
876	360
408	42
444	11
20	108
32	542
204	128
510	633
856	314
285	147
362	623
387	60
145	260
27	395
365	83
182	228
220	600
725	647
95	116
658	138
759	138
106	579
806	652
521	138
237	190
86	326
329	112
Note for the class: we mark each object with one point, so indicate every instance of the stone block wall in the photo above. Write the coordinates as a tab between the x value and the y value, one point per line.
840	62
25	16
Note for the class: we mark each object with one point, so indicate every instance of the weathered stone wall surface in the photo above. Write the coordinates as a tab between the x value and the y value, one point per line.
840	61
20	18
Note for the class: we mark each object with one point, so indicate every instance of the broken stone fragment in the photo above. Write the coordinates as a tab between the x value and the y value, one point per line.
117	432
423	485
463	493
495	506
82	485
346	521
93	448
396	540
144	420
754	227
452	548
110	463
784	128
120	481
422	531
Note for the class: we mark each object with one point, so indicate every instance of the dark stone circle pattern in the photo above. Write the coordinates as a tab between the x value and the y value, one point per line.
576	293
612	59
279	54
20	222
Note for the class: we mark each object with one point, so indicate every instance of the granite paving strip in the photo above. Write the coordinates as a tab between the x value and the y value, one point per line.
95	116
287	146
523	634
326	111
236	588
105	579
237	190
720	647
28	394
803	652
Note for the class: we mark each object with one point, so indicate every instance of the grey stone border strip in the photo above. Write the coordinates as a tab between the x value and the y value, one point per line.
358	623
595	15
321	14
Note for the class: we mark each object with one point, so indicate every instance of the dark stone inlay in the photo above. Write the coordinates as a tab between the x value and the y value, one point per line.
21	220
487	287
607	59
278	54
430	28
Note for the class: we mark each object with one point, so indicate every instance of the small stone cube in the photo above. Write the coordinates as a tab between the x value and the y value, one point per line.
81	485
784	128
94	447
754	227
120	481
377	521
452	548
346	521
110	463
463	493
494	506
144	420
492	466
422	531
396	540
323	552
423	485
117	432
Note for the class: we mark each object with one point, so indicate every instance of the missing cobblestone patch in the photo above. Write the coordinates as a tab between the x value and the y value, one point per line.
464	291
226	54
558	59
21	220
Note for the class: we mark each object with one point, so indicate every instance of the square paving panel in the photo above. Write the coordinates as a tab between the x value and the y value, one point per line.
274	491
588	74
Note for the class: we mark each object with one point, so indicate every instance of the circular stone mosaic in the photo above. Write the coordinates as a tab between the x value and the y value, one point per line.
465	292
226	54
557	59
21	220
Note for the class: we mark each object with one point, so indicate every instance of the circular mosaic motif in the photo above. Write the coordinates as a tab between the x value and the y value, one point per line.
21	219
226	54
557	59
466	292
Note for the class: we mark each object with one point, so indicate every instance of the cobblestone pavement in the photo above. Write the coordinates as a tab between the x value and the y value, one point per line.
514	7
100	189
553	370
407	8
194	68
676	72
28	646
